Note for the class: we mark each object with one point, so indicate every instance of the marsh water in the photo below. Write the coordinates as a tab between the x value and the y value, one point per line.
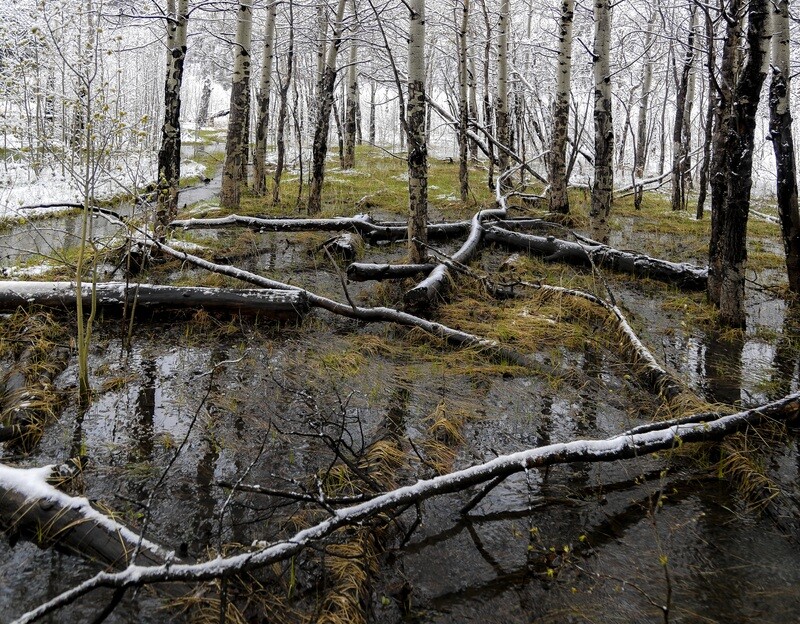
579	543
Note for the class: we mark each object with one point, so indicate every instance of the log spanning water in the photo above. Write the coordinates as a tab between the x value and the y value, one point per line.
279	304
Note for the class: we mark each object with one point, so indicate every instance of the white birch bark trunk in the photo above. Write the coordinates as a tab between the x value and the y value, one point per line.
169	154
557	198
324	106
351	106
463	108
640	159
603	126
680	147
240	84
473	107
417	147
262	101
501	112
780	127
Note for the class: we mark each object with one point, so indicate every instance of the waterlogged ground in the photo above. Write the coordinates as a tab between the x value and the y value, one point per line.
219	399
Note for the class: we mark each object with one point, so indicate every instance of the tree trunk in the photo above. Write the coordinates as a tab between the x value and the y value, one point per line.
623	139
351	110
708	131
473	105
417	147
488	112
683	275
262	101
501	103
372	89
32	508
463	108
240	86
679	147
557	198
205	101
722	121
169	154
739	156
603	126
662	155
640	157
280	139
780	132
324	105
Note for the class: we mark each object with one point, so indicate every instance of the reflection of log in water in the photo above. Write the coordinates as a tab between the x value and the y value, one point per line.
786	362
723	368
513	570
142	429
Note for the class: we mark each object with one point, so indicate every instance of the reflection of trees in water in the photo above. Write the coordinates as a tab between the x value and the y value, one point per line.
520	564
722	378
786	362
143	425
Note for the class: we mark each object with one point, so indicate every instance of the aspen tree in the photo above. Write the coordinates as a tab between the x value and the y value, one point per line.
738	148
603	126
780	133
417	147
557	198
463	108
501	104
324	105
240	85
169	154
262	103
351	105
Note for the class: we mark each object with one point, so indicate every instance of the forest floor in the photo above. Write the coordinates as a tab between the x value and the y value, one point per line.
709	531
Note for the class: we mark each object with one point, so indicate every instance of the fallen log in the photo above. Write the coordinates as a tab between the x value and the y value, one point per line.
636	442
433	286
372	232
365	271
346	246
279	304
32	509
681	274
426	292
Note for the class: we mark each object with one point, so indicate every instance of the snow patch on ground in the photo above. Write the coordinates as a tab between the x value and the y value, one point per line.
25	272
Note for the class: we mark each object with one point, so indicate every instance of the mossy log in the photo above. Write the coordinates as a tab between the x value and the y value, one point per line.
278	304
681	274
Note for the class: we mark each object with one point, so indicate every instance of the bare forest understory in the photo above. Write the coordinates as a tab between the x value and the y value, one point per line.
527	427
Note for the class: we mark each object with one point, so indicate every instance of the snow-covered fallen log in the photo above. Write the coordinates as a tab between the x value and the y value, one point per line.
433	286
636	442
279	304
554	249
372	231
32	509
365	271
